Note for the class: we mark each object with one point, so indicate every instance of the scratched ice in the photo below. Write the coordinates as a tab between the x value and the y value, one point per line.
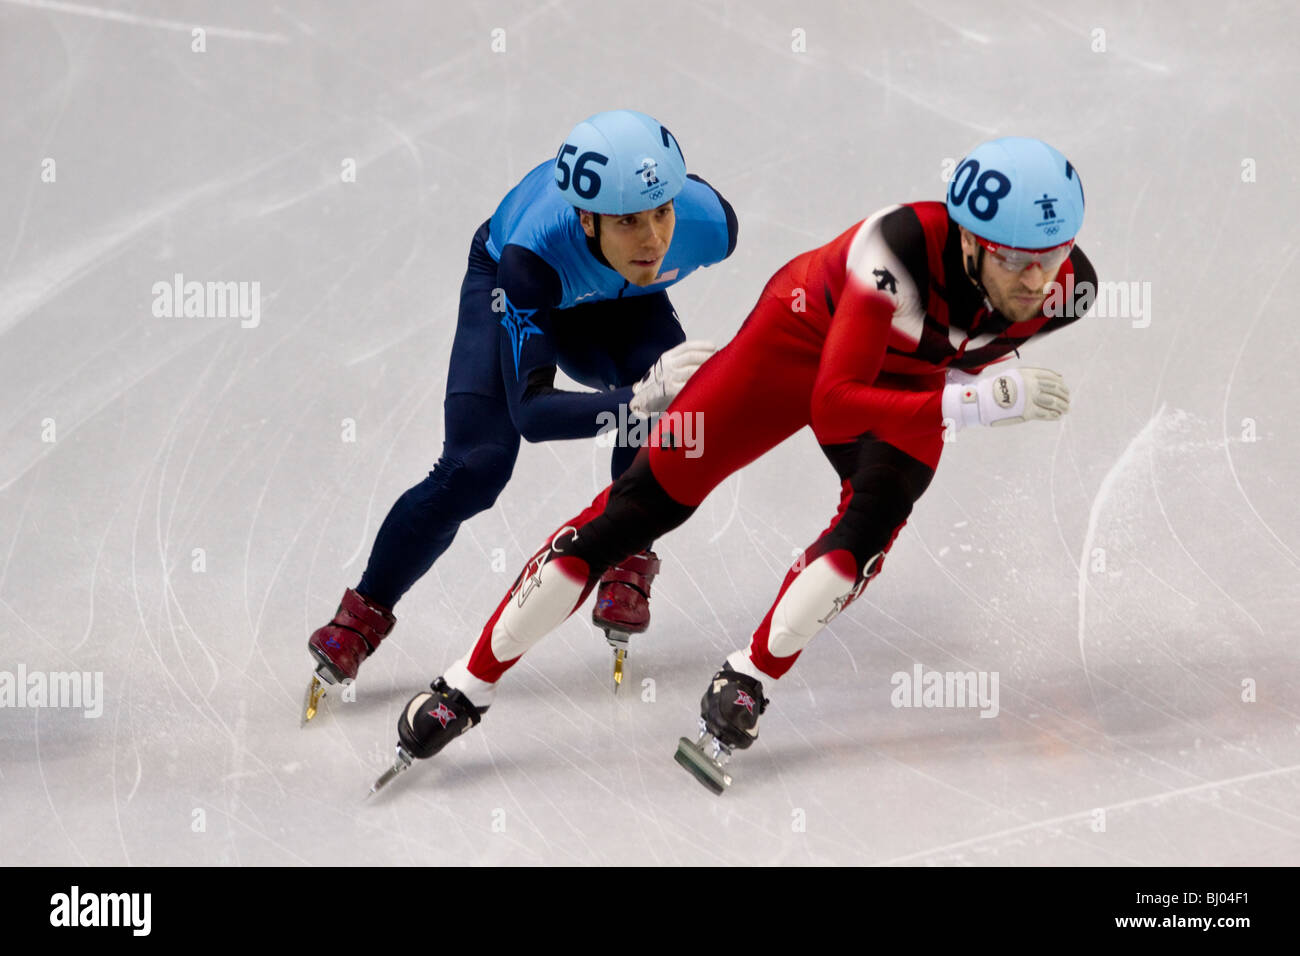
179	505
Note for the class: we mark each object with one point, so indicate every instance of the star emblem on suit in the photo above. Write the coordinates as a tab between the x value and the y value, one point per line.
518	323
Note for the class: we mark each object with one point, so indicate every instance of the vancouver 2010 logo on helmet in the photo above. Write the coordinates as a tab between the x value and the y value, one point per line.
647	172
1048	222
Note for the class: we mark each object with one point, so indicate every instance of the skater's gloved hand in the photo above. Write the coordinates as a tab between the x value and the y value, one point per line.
1007	398
666	377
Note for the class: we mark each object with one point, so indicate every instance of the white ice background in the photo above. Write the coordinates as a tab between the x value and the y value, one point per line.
1124	690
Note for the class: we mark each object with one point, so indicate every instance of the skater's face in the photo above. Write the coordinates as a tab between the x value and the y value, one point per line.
1017	295
635	244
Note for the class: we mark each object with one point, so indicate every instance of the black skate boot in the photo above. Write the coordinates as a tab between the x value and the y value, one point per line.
729	712
428	723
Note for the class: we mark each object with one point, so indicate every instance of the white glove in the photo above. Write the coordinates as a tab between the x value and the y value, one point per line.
666	377
1008	398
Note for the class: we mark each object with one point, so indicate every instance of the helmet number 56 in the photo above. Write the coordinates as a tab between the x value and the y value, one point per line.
990	186
586	181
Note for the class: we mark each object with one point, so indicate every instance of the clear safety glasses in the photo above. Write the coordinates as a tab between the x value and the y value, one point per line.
1018	260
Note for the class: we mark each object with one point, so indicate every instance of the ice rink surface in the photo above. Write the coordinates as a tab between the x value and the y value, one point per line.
179	507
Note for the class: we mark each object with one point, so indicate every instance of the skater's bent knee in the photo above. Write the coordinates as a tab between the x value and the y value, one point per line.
637	512
469	483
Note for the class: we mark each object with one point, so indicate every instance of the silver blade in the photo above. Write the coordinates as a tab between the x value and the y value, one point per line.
701	766
402	762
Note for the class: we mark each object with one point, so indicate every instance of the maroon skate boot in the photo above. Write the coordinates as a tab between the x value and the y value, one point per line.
623	604
341	645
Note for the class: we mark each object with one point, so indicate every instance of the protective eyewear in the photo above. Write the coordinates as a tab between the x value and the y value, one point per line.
1018	260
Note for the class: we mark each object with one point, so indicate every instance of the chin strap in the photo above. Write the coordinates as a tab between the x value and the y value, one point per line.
973	267
593	242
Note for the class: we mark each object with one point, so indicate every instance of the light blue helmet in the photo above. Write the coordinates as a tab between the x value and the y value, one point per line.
620	162
1017	192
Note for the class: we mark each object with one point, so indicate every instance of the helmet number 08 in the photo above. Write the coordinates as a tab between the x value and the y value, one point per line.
586	182
989	187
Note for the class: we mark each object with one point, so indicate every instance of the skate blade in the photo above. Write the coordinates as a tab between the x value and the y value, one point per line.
620	655
400	763
702	767
312	699
618	640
